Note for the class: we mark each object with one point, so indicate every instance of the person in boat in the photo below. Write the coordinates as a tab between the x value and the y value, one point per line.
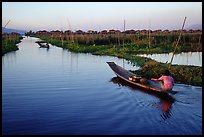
168	81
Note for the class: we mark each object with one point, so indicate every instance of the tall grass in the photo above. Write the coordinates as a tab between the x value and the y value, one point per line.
137	44
9	44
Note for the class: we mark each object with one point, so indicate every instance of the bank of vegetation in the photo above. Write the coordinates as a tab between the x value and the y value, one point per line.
9	42
127	46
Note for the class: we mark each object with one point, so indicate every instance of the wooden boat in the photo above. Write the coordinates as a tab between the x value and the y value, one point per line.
162	96
43	44
127	76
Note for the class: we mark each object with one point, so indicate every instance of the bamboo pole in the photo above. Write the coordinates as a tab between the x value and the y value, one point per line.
5	25
177	42
118	39
71	35
123	43
62	39
149	34
6	34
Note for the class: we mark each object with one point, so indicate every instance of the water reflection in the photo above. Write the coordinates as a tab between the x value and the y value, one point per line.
74	59
75	88
184	58
10	57
44	48
165	103
166	109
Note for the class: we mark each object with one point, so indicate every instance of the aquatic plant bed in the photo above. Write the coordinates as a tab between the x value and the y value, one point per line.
149	68
8	45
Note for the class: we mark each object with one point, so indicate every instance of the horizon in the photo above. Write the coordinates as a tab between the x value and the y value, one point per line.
9	30
100	16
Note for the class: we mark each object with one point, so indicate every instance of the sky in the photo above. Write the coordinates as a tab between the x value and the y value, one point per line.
100	16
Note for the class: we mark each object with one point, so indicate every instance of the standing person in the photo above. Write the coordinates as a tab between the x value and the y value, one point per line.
168	81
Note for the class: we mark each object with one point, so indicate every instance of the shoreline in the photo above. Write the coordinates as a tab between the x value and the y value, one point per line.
184	74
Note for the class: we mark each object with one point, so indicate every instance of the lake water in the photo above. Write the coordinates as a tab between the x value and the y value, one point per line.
56	92
184	58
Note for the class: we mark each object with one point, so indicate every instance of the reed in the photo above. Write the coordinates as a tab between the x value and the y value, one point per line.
8	46
187	74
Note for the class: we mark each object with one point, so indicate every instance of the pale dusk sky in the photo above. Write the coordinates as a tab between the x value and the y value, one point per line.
100	15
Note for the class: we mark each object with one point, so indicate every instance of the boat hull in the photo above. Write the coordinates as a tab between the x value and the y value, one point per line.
43	44
125	75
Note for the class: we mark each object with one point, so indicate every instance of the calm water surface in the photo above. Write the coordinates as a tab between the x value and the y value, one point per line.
184	58
58	92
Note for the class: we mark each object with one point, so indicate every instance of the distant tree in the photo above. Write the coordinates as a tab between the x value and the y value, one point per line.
29	33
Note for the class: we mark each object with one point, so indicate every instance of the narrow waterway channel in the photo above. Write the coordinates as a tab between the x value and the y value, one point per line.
184	58
54	91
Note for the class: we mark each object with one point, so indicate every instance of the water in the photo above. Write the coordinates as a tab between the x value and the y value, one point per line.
56	92
184	58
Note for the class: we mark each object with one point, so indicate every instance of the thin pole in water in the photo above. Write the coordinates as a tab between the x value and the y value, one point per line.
123	42
177	43
71	36
149	34
5	25
3	30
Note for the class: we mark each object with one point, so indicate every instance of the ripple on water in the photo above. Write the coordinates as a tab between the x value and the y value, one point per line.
59	92
141	108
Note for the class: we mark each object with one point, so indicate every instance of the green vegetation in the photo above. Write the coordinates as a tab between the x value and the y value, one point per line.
149	68
182	74
9	44
133	43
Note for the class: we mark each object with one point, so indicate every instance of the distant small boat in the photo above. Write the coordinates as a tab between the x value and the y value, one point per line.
134	79
43	44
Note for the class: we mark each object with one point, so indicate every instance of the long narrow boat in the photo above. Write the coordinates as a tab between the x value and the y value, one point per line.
126	75
43	44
